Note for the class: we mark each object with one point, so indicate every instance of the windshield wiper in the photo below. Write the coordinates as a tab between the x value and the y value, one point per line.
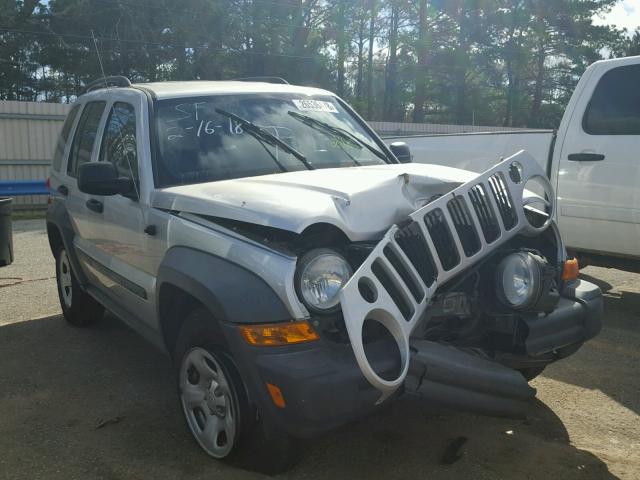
265	136
338	132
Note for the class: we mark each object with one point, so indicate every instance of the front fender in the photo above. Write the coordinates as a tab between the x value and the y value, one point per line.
230	292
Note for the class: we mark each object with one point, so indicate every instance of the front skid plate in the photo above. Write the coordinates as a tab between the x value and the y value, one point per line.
364	297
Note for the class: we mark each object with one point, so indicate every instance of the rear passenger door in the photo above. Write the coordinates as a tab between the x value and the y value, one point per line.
599	175
81	151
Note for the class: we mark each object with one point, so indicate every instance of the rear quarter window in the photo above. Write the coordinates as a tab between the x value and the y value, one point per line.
614	108
58	154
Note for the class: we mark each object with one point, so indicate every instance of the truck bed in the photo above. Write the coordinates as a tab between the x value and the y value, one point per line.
478	152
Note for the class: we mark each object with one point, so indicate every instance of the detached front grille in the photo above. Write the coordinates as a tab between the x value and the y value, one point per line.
396	282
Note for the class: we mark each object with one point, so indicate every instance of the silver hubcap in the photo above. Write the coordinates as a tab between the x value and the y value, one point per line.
206	402
64	278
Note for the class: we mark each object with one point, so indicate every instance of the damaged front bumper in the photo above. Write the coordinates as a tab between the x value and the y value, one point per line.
323	386
463	380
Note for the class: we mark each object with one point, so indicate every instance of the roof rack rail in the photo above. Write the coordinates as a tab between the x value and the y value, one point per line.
106	82
263	79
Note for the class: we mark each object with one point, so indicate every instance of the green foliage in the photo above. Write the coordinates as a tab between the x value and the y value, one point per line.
492	62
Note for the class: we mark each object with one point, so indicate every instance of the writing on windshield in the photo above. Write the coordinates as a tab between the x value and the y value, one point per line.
197	143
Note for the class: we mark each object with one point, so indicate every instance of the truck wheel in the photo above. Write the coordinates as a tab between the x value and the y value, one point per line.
531	372
78	307
214	401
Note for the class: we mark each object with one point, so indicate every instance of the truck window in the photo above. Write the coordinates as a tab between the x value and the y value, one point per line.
64	136
614	108
119	140
85	136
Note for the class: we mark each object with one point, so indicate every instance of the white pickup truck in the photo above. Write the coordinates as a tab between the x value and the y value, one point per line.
593	162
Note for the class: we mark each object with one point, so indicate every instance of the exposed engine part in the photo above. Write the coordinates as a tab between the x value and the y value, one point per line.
453	304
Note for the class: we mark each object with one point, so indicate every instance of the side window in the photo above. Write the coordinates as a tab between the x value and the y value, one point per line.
63	137
119	140
614	108
85	136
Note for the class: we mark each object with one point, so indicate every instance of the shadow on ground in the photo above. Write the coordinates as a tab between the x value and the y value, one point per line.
609	362
101	403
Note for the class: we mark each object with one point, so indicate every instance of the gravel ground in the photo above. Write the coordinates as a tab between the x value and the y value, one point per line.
101	403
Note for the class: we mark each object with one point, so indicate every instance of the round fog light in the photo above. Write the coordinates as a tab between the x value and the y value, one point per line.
518	280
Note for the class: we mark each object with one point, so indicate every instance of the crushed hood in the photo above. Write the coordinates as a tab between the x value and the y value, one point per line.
363	202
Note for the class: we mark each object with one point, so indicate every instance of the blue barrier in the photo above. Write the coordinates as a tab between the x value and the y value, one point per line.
16	188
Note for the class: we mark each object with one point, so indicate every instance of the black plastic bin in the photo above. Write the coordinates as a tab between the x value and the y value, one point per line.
6	232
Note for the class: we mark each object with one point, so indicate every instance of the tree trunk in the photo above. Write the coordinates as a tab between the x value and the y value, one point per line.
360	74
390	94
534	118
341	48
461	65
421	68
372	25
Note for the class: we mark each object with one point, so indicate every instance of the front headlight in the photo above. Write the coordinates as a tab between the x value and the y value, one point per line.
518	280
320	276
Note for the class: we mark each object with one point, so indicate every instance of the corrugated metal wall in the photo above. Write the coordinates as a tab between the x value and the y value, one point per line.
28	132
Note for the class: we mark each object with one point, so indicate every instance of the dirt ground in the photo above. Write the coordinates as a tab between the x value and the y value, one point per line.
101	403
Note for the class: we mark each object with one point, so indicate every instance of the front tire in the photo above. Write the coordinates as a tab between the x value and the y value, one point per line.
216	406
78	307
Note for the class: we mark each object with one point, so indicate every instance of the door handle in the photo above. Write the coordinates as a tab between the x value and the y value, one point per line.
586	157
63	190
95	205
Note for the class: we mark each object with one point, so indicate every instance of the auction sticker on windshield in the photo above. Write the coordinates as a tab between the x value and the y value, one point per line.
315	106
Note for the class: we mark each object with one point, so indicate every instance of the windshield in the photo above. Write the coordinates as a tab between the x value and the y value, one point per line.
204	139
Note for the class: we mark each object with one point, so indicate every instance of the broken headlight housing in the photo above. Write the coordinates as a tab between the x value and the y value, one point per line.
519	282
320	276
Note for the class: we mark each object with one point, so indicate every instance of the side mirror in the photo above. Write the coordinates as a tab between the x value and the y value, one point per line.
101	178
401	151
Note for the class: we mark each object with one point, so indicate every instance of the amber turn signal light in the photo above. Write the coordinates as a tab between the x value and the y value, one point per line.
274	334
276	395
570	270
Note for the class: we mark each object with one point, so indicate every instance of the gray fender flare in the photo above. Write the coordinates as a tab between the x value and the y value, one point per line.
232	293
58	216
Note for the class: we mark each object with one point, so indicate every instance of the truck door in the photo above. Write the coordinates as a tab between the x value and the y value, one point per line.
599	168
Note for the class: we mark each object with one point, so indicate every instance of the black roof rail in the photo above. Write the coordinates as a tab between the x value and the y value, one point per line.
106	82
262	79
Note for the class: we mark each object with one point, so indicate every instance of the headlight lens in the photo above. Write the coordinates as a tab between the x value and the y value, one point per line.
518	280
321	275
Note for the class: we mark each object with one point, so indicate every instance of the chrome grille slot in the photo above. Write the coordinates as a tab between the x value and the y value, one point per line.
410	240
405	274
503	200
442	239
485	213
394	290
463	224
